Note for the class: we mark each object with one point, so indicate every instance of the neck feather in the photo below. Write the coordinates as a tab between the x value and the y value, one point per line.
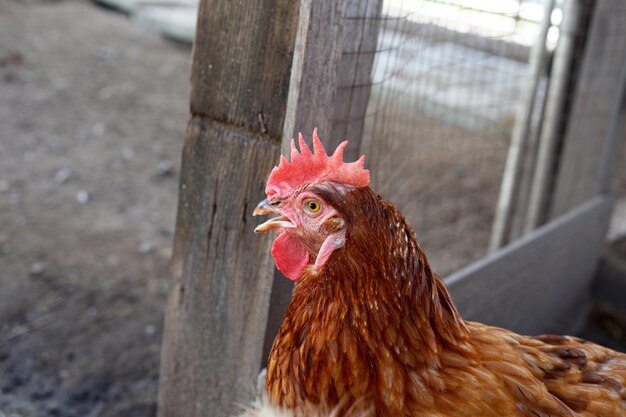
376	301
381	271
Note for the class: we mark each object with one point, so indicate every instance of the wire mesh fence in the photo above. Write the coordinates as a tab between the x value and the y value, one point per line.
444	94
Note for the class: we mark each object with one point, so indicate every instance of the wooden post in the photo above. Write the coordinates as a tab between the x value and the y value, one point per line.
330	79
334	50
553	117
512	177
217	307
354	74
314	72
591	137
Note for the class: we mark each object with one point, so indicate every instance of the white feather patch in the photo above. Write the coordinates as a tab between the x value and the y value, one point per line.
260	408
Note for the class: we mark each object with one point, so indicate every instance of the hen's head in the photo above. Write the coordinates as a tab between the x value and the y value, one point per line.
309	228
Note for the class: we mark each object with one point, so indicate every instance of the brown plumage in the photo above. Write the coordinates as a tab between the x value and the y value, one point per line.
374	332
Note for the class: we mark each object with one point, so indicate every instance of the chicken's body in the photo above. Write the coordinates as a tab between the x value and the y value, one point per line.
373	332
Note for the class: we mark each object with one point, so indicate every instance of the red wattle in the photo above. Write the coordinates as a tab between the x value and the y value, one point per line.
290	256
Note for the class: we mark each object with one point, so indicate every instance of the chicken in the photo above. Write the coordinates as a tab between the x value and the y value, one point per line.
372	330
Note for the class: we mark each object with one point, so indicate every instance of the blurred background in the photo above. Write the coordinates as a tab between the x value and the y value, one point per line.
93	109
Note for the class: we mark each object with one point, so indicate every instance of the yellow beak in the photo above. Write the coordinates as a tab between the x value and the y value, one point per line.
280	222
262	208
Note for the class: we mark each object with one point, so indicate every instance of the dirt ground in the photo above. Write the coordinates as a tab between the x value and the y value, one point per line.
93	109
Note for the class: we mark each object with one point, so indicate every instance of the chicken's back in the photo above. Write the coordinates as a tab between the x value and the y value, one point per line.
554	375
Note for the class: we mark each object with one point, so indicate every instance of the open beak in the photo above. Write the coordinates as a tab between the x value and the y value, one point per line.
264	207
280	222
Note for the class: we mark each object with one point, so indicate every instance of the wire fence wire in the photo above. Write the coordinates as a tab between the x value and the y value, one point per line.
446	83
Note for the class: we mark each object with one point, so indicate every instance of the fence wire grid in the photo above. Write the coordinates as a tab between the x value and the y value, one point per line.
445	89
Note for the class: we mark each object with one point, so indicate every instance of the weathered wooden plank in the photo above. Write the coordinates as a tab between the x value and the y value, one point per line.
280	298
560	79
217	307
215	314
519	148
590	138
242	61
330	36
330	78
539	283
361	24
314	72
312	88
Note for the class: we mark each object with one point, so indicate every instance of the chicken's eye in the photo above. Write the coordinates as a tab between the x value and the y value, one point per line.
312	206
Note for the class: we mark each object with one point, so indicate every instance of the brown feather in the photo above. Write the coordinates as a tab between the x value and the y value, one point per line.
376	333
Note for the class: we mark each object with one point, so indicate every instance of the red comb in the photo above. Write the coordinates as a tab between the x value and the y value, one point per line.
307	167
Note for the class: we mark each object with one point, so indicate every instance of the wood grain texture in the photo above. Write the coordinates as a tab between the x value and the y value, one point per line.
554	114
540	283
512	201
354	71
215	317
241	62
310	104
217	306
328	55
319	43
590	138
